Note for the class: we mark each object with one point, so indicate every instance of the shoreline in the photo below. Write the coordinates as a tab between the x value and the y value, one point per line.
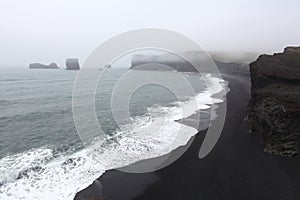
236	168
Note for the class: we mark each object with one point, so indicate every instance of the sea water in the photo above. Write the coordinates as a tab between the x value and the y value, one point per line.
41	154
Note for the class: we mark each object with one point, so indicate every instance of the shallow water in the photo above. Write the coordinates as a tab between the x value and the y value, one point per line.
41	154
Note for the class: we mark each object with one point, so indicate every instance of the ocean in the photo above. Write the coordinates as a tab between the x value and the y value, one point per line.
41	153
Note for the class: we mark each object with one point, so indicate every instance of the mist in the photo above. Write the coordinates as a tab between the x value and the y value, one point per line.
53	30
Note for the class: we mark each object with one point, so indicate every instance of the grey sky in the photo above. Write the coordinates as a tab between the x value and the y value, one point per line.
52	30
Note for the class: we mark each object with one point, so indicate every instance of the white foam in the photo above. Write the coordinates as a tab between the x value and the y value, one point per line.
54	180
12	166
151	135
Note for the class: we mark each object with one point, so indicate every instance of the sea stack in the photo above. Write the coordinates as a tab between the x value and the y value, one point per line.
42	66
72	64
274	108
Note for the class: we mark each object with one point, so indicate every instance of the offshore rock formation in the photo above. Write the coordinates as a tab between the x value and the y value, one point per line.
72	64
274	108
42	66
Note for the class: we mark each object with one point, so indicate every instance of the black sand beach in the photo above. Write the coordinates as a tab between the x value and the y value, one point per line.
237	167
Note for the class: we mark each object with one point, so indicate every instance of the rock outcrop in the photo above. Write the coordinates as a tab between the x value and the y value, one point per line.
72	64
42	66
274	108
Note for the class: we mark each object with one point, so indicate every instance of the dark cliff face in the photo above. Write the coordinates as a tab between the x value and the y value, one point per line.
274	108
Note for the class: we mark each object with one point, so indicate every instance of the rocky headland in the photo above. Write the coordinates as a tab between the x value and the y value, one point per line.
161	62
274	108
42	66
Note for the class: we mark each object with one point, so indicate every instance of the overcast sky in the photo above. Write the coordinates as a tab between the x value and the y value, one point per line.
53	30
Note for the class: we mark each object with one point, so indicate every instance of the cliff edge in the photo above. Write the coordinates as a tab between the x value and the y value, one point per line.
274	108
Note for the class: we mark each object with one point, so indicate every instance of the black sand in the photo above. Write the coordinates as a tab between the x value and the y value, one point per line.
237	167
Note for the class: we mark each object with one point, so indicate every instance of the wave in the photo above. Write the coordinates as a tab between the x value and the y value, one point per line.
40	174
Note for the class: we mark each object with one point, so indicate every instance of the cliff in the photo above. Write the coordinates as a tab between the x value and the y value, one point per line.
42	66
72	64
274	108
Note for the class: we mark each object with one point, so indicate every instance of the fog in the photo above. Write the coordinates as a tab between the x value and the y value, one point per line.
53	30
